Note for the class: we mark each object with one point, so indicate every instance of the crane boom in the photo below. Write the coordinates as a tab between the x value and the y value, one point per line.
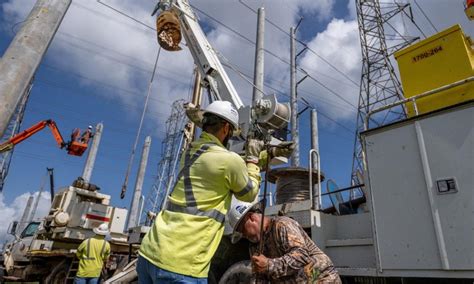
205	57
178	18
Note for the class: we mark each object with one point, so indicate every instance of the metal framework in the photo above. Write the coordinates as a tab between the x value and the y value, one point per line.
379	84
13	128
173	144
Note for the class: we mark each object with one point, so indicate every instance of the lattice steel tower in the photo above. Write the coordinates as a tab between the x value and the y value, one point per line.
12	129
379	84
172	146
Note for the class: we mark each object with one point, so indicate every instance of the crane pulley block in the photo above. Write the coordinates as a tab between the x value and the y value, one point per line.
168	31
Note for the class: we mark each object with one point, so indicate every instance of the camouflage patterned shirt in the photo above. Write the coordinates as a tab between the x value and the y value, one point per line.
293	256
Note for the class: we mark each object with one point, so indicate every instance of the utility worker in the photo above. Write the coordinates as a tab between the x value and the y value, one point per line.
75	134
186	233
92	254
87	135
289	255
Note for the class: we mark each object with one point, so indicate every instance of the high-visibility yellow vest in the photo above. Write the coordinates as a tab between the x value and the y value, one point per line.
92	253
186	234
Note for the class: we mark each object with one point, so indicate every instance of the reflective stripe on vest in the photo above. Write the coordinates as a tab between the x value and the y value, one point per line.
88	250
248	187
191	203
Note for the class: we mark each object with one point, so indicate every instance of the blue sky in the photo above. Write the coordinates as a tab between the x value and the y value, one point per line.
98	67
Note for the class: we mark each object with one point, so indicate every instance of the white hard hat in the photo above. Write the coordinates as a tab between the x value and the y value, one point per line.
237	212
224	110
103	229
90	127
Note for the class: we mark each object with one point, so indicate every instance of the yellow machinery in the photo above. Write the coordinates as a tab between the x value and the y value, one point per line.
439	60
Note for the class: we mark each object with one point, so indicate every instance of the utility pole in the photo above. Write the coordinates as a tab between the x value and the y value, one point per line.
26	214
51	182
137	193
315	163
23	56
89	166
314	130
295	156
258	74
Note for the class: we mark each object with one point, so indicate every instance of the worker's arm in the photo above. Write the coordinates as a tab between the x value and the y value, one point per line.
296	257
106	253
244	178
80	249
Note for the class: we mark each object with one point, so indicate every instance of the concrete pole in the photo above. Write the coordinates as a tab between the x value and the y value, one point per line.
258	74
23	56
140	212
26	214
295	156
89	166
314	130
137	193
315	145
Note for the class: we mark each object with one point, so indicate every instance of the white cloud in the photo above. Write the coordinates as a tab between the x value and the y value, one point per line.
99	43
339	43
14	211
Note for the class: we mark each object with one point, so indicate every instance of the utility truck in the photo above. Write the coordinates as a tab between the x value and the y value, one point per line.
45	250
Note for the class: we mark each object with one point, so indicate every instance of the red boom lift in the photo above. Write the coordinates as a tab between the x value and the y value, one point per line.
75	148
469	9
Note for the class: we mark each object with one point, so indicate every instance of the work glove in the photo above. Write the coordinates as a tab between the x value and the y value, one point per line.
283	149
253	147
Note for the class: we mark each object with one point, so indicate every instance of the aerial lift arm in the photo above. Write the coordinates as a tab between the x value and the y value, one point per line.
74	148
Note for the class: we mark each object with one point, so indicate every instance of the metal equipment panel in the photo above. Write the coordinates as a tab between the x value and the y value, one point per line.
421	186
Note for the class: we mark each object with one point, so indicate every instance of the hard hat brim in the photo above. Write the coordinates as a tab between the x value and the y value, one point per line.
100	232
197	115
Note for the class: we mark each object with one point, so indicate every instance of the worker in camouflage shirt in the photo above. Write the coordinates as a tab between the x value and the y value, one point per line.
289	255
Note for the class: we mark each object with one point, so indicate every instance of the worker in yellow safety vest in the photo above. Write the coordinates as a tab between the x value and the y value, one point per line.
92	254
186	233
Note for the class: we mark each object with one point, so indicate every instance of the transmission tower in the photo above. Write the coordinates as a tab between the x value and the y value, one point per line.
172	146
379	84
12	129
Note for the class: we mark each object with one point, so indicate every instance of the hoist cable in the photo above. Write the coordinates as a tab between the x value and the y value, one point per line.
132	155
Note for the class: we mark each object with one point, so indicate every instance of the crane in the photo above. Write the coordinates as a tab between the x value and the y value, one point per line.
177	19
73	147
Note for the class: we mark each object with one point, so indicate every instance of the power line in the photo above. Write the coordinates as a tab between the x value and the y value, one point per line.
59	85
426	16
125	15
269	52
326	116
304	44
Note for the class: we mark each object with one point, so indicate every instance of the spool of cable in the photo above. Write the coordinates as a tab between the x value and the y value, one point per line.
292	184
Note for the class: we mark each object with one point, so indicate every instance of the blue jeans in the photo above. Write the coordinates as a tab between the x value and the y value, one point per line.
151	274
85	280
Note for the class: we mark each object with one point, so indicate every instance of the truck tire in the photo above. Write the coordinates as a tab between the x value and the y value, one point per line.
59	273
238	273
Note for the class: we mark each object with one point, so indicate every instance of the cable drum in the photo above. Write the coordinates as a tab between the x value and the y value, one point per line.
292	184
